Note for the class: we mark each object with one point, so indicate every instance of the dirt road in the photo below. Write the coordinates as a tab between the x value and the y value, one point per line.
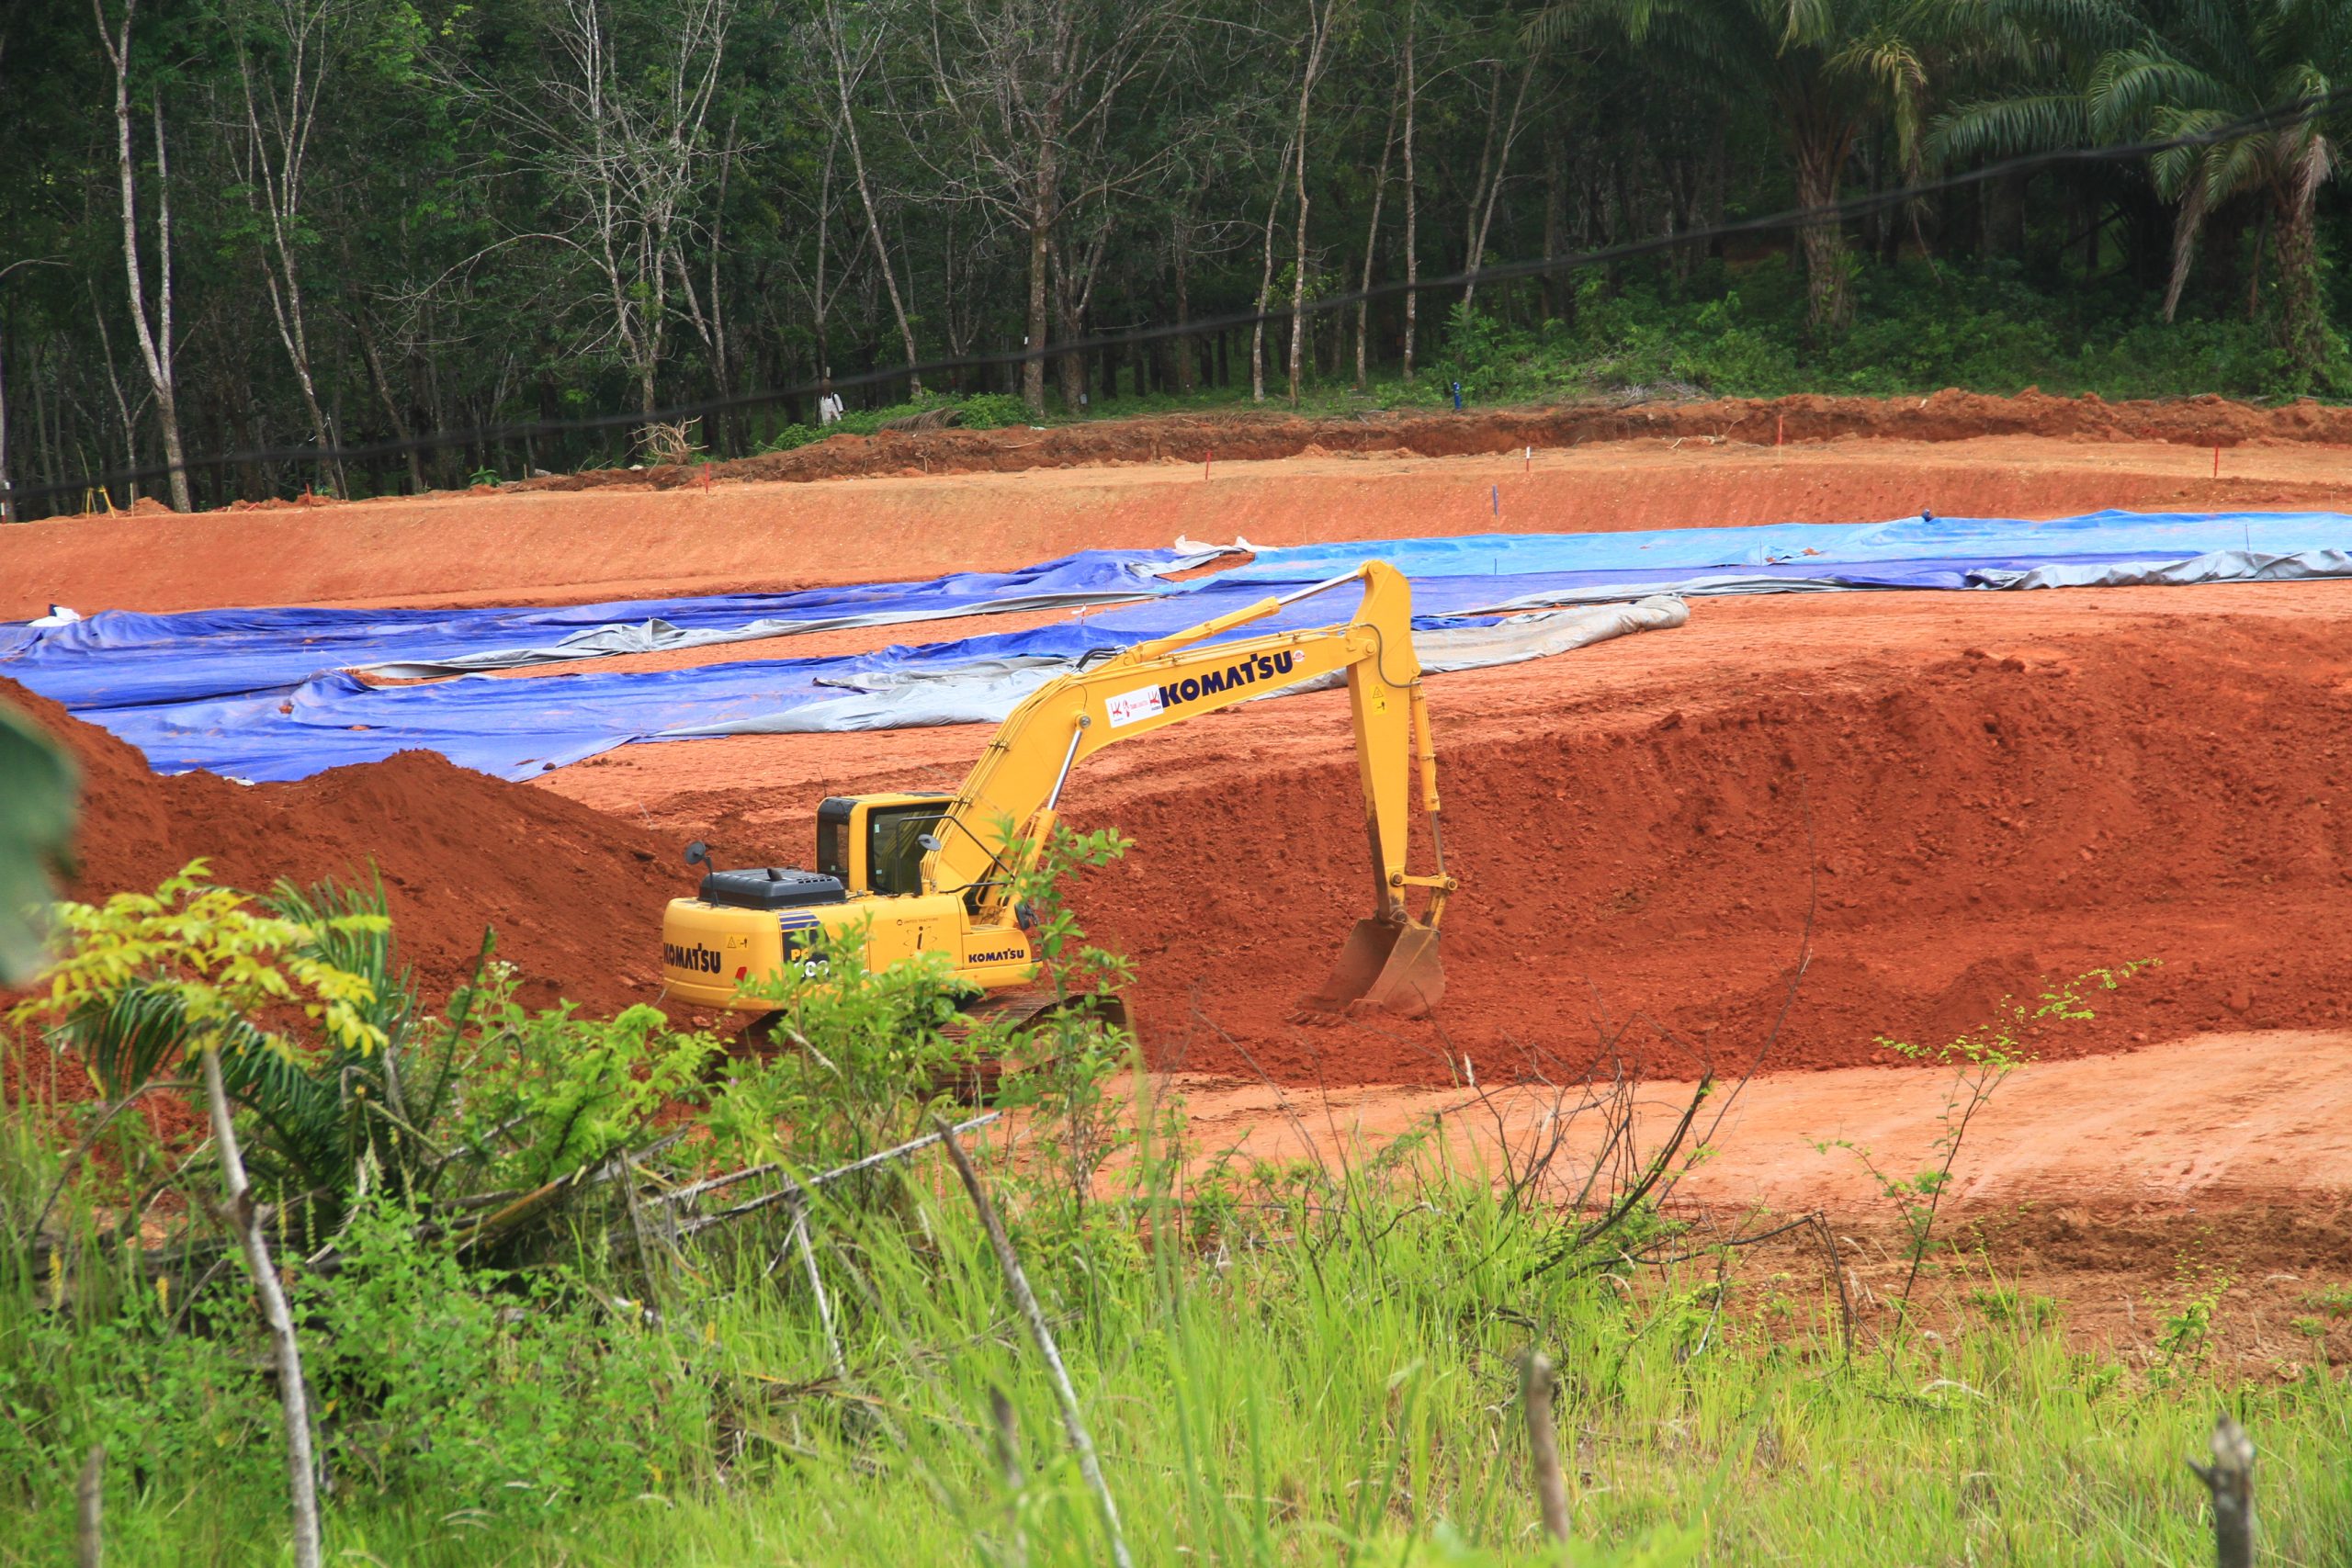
2152	1129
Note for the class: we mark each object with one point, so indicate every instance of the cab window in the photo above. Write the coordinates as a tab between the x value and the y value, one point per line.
893	849
833	840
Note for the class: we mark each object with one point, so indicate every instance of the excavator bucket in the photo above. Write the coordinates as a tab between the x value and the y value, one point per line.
1394	968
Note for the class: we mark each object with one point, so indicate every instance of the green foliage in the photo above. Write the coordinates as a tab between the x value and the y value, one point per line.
36	817
856	1058
550	1092
1979	1061
1277	1363
214	961
1916	330
983	410
487	1391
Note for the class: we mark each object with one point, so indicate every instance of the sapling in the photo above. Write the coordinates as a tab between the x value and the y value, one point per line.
1982	1061
223	966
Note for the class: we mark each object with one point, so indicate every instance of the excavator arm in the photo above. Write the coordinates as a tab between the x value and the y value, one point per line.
1006	808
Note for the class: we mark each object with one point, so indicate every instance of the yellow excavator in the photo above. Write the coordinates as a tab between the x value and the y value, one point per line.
939	872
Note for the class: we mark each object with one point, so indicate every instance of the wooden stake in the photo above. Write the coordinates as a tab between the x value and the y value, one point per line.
1544	1442
89	1510
1008	1460
1042	1336
2230	1480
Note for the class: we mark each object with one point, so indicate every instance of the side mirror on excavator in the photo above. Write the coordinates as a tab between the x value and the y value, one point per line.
930	842
697	853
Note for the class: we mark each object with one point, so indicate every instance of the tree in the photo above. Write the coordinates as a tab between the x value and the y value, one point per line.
282	91
1324	17
188	972
2218	69
1826	67
850	62
155	342
1034	91
619	121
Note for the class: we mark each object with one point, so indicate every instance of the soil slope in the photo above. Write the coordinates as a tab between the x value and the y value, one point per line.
573	894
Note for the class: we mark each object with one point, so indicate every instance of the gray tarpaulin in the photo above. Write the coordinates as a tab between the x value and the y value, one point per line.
986	691
2221	566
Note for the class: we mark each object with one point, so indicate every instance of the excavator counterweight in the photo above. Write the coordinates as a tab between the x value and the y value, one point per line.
939	873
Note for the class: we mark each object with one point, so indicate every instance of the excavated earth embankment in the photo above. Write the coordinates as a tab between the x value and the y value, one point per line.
1948	415
1642	884
574	896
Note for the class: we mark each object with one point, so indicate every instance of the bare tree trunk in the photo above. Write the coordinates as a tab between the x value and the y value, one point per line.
1265	291
1371	241
2183	245
1485	215
90	1511
2302	326
1412	200
1187	350
155	339
1319	23
274	190
375	361
865	192
8	479
2230	1478
1041	262
1555	182
244	1216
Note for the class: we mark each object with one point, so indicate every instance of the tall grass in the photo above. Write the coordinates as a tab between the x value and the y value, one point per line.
1278	1365
1331	1379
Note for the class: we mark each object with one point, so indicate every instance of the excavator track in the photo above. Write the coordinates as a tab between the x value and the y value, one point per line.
1025	1007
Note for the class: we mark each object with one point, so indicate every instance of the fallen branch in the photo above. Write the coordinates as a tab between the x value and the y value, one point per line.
1042	1337
794	1191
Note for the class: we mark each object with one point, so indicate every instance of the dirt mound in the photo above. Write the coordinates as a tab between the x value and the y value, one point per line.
574	896
1948	415
1959	833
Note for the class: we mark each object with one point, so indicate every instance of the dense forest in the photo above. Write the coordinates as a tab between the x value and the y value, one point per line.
279	225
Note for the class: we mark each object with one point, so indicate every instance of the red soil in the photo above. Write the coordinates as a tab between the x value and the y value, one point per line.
1660	466
2118	774
573	894
1948	415
1975	825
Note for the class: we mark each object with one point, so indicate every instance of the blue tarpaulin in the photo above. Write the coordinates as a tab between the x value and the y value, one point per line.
122	658
262	695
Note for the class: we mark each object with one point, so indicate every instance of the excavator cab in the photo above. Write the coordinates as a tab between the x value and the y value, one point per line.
874	842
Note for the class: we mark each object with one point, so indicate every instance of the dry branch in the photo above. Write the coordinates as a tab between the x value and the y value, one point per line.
1042	1336
795	1192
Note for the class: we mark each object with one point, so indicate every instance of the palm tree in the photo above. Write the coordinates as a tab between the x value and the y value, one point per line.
2189	69
1827	67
